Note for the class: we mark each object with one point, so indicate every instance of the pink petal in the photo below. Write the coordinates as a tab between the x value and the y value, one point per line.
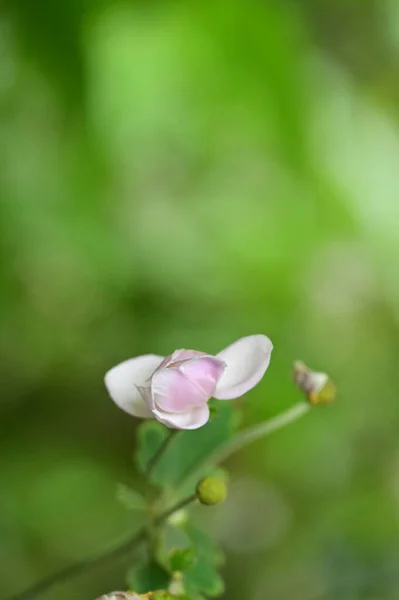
189	385
123	380
178	355
186	354
192	419
166	361
247	361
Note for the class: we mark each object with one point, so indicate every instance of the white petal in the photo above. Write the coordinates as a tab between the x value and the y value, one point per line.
192	419
122	381
247	361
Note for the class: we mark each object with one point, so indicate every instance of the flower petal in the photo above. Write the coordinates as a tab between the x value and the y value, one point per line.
122	382
184	354
189	385
178	355
247	361
192	419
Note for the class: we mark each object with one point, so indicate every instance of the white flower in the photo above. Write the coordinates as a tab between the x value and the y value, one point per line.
176	389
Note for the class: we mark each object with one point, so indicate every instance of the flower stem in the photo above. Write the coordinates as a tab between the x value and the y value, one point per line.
160	451
242	440
120	550
250	435
175	508
247	437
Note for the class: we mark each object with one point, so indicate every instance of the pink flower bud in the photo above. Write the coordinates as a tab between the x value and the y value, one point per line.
176	389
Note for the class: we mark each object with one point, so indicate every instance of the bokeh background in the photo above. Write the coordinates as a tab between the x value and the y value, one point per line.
179	174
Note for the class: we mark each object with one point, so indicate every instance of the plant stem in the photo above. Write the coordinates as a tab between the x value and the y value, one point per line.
252	434
247	437
242	440
162	448
175	508
79	567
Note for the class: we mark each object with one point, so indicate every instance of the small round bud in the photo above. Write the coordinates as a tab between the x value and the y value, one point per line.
211	490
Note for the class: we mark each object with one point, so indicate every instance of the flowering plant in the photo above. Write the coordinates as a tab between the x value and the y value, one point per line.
189	430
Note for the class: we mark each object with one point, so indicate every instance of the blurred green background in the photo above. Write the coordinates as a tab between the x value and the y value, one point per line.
180	174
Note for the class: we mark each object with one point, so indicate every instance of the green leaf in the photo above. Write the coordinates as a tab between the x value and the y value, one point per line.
151	436
130	499
182	559
204	544
146	577
188	454
202	577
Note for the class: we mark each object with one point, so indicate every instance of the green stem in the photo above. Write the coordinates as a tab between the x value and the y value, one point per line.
242	440
252	434
120	550
175	508
247	437
160	451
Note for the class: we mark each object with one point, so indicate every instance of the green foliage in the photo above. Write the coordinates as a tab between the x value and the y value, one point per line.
149	576
186	458
203	578
130	499
204	544
162	595
190	596
151	436
222	175
181	559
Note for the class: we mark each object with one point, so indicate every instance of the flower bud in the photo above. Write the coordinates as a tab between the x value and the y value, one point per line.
318	387
211	490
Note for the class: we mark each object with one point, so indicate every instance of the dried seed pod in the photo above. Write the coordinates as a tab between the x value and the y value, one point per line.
318	387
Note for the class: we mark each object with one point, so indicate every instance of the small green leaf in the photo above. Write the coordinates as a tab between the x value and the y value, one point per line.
204	544
130	499
203	578
146	577
151	436
182	559
187	456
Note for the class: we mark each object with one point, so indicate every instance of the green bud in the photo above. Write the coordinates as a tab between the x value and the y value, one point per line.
211	490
